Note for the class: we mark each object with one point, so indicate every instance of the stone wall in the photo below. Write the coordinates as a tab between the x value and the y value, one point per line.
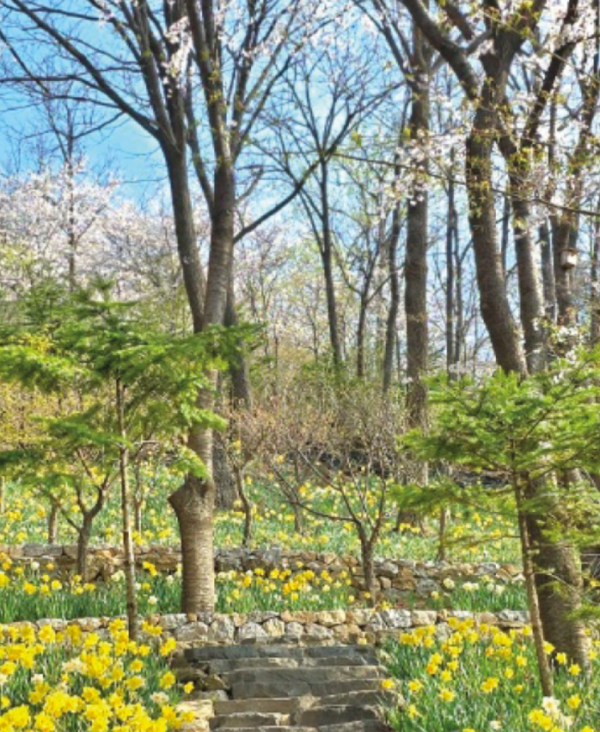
392	574
341	626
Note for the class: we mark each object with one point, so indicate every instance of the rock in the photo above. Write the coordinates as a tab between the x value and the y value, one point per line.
443	631
251	631
312	630
460	614
513	618
202	711
387	569
396	618
222	629
424	617
213	682
171	621
425	587
261	616
88	624
192	632
329	618
486	619
360	616
274	627
39	551
376	623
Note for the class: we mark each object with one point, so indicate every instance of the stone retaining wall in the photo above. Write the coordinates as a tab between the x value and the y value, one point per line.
392	574
342	626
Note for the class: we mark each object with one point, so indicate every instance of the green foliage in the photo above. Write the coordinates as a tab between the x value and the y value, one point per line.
548	422
519	431
82	348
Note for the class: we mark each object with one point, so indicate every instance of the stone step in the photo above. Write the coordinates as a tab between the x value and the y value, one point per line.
318	716
285	705
273	688
226	665
313	675
202	654
250	719
368	726
278	729
358	698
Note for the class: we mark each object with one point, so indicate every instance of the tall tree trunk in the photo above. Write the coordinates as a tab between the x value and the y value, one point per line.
595	284
223	475
241	389
451	358
533	599
558	574
84	534
128	553
565	237
241	398
530	283
415	267
505	239
495	307
391	333
326	246
194	501
185	232
488	95
53	522
548	272
360	336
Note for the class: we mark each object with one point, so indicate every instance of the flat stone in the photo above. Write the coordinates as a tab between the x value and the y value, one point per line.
317	631
424	617
266	689
330	618
222	629
249	719
171	621
443	631
192	632
513	618
251	631
396	618
274	627
366	726
360	616
285	705
318	716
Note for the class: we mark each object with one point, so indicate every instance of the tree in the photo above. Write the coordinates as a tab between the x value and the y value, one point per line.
506	34
178	70
527	432
135	385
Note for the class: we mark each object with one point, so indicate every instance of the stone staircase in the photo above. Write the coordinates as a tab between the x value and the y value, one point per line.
274	687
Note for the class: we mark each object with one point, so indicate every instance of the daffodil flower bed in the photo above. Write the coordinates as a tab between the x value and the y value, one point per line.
480	595
71	681
481	679
471	535
285	589
38	594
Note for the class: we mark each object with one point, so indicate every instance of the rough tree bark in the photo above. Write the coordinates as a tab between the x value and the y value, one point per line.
415	265
488	99
128	553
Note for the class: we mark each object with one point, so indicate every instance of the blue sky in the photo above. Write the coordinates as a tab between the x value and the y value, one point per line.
124	150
